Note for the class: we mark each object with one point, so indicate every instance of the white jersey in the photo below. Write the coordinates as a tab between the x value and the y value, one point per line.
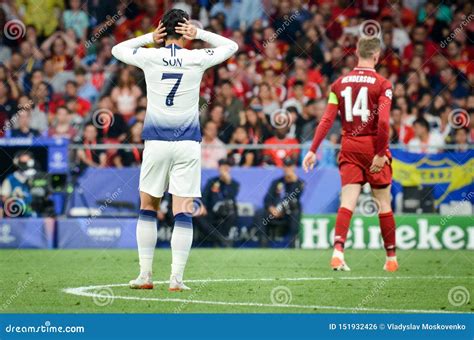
173	77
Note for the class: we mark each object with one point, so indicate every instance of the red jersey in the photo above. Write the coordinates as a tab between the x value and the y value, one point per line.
358	95
363	99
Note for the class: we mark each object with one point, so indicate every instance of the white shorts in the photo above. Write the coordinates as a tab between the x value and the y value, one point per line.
171	166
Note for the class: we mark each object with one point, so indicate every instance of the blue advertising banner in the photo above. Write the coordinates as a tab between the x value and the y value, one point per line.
320	195
237	326
26	233
96	232
450	174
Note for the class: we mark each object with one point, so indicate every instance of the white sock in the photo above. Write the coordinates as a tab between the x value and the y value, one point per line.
147	235
391	258
339	254
181	242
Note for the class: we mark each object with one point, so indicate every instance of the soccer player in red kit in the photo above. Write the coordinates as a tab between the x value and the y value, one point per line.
363	99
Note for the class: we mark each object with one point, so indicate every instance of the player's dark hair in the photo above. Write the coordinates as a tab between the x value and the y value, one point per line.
170	21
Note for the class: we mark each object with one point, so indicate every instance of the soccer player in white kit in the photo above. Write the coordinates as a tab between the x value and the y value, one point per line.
172	154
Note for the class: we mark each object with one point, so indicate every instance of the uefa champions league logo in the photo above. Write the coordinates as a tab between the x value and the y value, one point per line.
5	234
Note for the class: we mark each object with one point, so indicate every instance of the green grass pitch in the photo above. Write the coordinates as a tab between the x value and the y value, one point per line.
236	281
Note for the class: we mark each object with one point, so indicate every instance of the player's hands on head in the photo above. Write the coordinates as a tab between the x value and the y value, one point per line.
187	29
159	34
378	163
309	161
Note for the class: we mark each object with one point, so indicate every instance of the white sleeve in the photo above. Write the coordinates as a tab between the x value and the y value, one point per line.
223	48
130	51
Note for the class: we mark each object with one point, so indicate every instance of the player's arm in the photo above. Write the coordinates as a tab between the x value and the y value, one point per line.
223	48
323	128
130	51
383	128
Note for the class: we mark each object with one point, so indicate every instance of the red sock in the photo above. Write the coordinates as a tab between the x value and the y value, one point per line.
342	227
387	227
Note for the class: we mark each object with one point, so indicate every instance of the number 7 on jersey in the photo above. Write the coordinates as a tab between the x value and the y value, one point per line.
170	96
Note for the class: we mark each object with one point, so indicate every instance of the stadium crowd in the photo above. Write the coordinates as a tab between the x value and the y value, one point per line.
59	79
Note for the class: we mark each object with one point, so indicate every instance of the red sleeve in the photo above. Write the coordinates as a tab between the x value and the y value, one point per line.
383	127
324	125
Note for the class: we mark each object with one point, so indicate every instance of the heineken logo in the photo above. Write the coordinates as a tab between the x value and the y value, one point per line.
413	232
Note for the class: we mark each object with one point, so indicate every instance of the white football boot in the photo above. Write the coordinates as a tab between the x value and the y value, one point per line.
143	281
177	286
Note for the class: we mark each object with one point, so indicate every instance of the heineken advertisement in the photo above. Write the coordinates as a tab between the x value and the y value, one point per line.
413	232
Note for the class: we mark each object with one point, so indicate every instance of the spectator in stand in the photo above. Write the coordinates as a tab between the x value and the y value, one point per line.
306	122
32	56
425	141
452	84
76	19
243	157
61	126
403	131
298	99
272	156
126	94
292	29
229	101
231	11
224	128
250	11
212	148
461	139
131	156
89	157
257	128
8	107
268	99
24	129
60	48
427	46
111	126
57	80
39	111
85	88
43	15
82	106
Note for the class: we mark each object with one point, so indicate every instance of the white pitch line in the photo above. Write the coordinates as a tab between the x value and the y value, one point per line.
84	291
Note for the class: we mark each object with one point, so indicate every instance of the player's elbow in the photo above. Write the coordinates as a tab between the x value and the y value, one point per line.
234	47
116	51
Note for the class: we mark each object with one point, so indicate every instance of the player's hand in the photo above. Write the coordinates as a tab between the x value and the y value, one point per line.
159	34
309	161
378	163
187	29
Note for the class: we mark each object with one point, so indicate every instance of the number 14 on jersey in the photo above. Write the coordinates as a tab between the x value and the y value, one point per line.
360	107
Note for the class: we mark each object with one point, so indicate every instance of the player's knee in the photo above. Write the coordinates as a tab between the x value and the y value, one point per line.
148	202
384	206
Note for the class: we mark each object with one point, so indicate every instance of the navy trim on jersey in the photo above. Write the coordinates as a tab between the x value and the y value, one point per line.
173	48
172	134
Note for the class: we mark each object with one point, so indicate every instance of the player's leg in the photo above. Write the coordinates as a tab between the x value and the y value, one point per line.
185	184
153	183
181	240
349	195
387	226
147	235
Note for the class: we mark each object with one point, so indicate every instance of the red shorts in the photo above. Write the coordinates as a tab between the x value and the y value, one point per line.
354	168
